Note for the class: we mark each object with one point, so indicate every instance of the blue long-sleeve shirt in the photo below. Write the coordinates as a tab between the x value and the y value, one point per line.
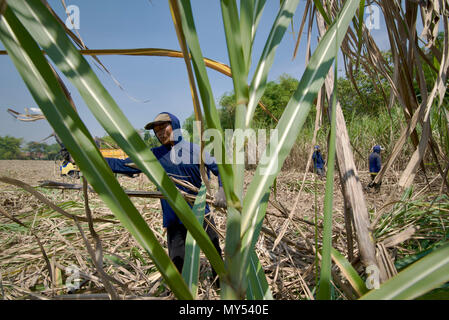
374	162
318	161
180	161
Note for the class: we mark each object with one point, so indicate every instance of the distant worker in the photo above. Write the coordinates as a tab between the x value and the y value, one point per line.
375	165
318	162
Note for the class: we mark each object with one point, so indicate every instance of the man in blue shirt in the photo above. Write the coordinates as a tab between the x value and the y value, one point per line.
375	165
179	159
318	162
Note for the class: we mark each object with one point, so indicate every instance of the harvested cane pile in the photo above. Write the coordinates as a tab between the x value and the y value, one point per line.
81	252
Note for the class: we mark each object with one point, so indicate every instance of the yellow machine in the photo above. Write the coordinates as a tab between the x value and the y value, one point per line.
114	153
69	169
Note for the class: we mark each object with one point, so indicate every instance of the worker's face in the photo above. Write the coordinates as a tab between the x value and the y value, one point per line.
164	132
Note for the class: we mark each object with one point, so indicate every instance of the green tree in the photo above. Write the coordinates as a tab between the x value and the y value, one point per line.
188	126
150	139
52	151
227	110
37	150
226	114
369	98
276	96
107	142
10	147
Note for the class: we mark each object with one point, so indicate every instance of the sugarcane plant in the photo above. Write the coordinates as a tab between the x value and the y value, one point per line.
29	31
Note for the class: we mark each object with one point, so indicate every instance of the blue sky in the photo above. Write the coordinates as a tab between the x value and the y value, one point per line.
118	24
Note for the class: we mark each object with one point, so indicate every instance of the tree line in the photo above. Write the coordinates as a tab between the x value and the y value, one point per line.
14	148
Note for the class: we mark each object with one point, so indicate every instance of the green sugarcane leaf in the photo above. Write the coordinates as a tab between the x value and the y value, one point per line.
258	288
416	280
246	28
320	8
52	38
232	263
324	289
235	49
437	294
360	29
208	102
232	256
349	272
48	94
232	253
293	119
258	84
191	267
238	40
257	15
250	14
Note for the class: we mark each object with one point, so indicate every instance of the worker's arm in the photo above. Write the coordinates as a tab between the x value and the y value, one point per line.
122	166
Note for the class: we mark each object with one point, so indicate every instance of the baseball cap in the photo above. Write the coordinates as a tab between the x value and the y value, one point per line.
160	118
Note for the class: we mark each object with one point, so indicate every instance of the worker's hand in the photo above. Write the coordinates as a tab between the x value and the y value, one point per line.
220	198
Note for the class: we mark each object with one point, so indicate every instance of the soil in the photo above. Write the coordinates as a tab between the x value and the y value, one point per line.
24	271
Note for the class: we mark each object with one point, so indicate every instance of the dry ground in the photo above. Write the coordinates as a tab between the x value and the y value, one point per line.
24	272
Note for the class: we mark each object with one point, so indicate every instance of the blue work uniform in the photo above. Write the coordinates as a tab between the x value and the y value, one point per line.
318	161
180	161
375	163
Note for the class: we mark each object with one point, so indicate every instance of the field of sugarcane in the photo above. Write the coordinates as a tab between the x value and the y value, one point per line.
286	234
407	229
